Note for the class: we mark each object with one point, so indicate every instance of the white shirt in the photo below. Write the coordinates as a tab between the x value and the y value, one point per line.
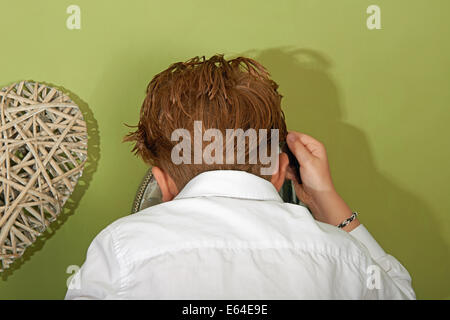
229	235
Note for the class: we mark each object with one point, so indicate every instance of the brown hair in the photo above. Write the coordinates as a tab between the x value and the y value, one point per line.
223	94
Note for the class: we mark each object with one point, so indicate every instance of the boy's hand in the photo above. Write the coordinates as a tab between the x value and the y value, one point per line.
317	190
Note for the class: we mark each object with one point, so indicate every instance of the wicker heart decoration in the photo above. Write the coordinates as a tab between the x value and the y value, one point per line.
43	148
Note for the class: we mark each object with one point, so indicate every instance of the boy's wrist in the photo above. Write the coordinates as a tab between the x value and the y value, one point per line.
332	209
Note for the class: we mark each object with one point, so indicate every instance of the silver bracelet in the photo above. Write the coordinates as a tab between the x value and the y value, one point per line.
347	221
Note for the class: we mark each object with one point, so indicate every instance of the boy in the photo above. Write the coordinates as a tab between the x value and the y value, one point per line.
222	231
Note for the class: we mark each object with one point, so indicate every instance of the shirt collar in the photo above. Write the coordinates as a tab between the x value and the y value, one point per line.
229	183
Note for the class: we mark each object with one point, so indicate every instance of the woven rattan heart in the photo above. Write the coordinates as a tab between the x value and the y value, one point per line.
42	153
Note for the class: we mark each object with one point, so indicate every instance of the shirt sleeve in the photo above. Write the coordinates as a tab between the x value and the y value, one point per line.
394	280
99	277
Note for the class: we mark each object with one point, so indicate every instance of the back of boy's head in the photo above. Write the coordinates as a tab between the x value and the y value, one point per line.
222	94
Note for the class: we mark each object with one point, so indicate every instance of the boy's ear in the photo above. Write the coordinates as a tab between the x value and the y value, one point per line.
280	175
165	182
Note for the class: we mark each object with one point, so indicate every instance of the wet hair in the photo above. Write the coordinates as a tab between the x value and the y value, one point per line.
223	94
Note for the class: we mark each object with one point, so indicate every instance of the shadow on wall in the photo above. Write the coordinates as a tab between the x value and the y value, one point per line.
80	189
400	221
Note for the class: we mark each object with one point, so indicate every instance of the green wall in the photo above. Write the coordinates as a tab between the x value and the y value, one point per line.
379	100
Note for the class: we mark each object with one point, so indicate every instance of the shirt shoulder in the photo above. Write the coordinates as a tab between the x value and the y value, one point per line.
188	224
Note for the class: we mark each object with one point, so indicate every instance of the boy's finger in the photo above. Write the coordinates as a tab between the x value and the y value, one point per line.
314	146
306	139
302	154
